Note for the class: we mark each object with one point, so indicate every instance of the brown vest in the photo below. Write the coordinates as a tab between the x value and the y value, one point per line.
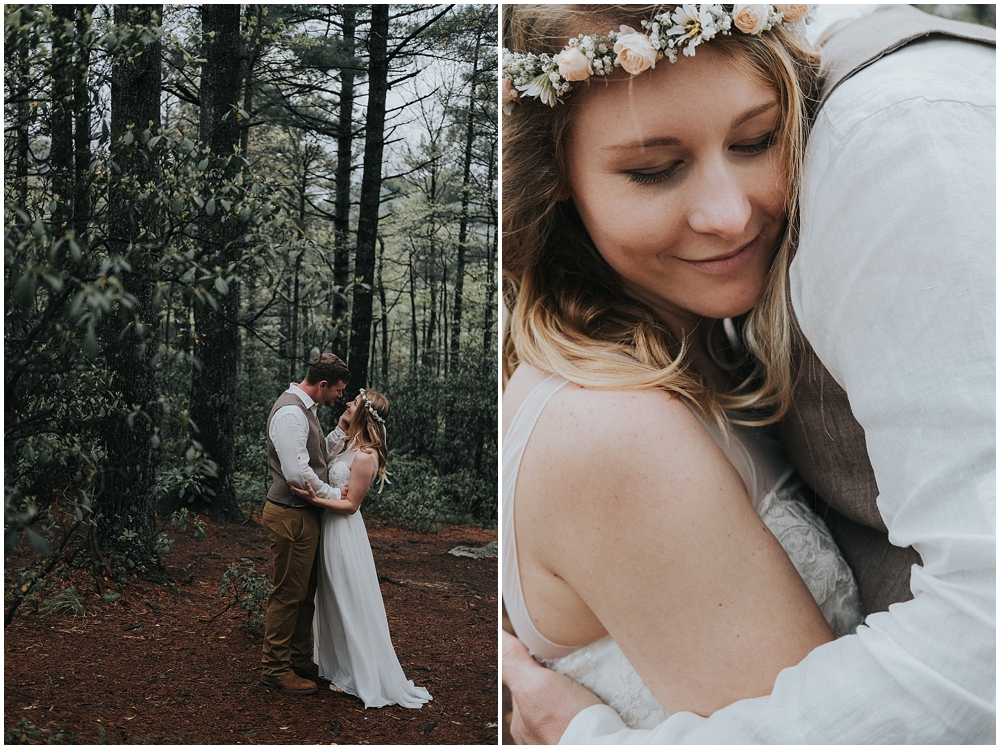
315	445
820	434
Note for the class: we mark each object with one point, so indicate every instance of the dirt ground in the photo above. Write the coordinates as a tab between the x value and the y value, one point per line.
152	667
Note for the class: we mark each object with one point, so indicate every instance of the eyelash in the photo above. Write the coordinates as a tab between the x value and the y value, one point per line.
759	147
652	178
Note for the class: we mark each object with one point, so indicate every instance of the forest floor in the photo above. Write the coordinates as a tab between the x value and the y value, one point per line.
161	665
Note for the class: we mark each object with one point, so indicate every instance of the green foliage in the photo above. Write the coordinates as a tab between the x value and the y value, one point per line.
180	520
68	305
129	558
249	590
23	732
443	450
163	544
62	603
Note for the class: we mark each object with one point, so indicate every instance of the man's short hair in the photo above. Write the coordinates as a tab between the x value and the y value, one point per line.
329	367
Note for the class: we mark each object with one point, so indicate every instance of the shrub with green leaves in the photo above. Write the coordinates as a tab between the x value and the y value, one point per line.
248	590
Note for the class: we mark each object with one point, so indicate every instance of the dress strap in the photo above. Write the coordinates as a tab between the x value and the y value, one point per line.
514	445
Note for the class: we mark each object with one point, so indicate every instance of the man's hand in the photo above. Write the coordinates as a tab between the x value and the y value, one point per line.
544	702
344	422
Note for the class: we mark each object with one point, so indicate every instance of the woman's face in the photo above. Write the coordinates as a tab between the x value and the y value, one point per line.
674	175
351	408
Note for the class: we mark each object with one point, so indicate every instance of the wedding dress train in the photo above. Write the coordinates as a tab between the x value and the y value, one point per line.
773	490
353	648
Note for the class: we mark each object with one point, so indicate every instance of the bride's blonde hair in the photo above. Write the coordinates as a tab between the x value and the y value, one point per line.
569	312
368	433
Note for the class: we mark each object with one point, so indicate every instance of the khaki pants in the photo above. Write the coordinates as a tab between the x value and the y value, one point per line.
294	536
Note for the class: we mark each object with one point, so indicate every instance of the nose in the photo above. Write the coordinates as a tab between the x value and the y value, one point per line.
720	205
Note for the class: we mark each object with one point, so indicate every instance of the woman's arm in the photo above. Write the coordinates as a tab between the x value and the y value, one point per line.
362	473
630	520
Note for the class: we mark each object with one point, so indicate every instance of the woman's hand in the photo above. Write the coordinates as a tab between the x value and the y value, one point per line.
544	702
309	494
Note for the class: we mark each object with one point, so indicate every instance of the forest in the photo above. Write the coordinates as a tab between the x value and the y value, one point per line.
199	200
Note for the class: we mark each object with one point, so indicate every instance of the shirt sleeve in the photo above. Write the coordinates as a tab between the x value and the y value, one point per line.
894	286
289	432
334	440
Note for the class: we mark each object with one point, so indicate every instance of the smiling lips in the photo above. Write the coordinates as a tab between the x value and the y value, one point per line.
727	263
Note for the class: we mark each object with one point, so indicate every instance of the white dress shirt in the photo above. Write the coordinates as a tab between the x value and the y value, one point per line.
289	431
894	286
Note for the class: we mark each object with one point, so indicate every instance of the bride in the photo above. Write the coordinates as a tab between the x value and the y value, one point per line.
352	645
655	546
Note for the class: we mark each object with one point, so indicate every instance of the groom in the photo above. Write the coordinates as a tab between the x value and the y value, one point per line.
894	418
296	455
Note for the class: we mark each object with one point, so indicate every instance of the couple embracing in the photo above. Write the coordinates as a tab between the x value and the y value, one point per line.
742	276
324	573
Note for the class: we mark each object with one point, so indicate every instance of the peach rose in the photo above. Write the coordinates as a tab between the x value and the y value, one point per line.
792	13
573	65
508	96
635	52
750	19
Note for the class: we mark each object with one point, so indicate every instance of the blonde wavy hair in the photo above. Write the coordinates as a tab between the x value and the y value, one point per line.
569	312
368	435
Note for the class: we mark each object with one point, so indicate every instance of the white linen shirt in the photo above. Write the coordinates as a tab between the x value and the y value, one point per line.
289	431
894	286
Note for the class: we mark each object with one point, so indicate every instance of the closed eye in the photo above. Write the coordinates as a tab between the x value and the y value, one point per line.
758	146
652	178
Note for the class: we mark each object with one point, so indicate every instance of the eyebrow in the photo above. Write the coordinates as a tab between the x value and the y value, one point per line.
661	142
755	112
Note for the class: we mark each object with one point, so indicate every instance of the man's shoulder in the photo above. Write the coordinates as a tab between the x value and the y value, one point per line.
923	72
289	402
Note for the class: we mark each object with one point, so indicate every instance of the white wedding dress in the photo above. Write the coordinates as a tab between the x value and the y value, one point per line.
601	666
352	645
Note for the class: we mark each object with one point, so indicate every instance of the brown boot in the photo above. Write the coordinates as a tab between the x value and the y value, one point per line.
290	684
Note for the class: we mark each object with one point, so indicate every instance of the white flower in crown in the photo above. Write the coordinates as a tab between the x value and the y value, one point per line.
549	78
693	24
539	87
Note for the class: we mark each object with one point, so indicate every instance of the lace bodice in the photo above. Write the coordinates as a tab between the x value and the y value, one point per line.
774	491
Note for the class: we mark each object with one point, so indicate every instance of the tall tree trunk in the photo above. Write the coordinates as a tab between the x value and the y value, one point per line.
217	351
342	183
82	111
61	121
371	185
17	78
489	361
254	15
412	289
463	223
384	311
126	512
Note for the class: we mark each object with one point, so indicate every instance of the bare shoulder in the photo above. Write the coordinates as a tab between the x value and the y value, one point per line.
623	423
364	460
611	412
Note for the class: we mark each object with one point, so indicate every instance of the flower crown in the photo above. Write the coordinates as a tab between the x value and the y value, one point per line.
370	408
549	77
